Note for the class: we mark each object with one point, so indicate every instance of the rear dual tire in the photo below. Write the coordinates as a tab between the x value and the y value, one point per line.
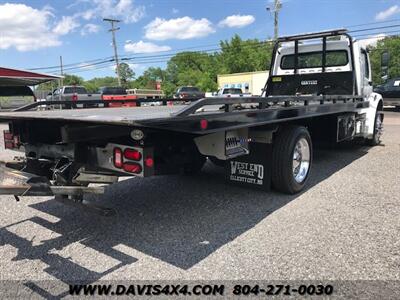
291	159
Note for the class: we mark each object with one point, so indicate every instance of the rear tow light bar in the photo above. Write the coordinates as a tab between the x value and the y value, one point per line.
137	161
132	154
10	141
118	160
132	167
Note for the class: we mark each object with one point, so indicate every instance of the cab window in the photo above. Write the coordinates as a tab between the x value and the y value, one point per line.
365	63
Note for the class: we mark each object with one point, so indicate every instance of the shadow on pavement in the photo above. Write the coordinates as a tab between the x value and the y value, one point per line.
179	220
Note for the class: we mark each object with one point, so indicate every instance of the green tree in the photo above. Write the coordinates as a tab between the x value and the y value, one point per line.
239	55
392	45
94	84
149	78
192	68
72	80
67	80
126	73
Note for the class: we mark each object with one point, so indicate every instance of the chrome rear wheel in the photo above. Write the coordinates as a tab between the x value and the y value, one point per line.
301	160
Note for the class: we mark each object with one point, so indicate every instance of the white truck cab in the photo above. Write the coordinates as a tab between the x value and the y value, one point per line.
326	66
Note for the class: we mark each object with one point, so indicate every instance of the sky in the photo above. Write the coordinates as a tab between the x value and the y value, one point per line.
35	33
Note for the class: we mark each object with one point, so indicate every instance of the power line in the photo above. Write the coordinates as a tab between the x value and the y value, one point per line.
372	23
166	55
375	28
149	58
71	64
166	59
173	52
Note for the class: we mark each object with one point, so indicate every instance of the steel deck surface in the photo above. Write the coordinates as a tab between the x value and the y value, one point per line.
118	115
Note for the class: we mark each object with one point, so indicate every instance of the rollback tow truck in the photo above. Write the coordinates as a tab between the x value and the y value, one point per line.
319	91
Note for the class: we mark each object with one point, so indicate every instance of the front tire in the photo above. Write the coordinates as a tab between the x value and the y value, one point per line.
291	159
378	128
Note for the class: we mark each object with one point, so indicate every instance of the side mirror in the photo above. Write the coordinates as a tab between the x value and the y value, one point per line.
385	57
385	60
49	94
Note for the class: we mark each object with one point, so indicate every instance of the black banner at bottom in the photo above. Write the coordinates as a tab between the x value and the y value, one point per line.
361	289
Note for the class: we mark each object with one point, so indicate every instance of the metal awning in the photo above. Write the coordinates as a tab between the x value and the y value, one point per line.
15	77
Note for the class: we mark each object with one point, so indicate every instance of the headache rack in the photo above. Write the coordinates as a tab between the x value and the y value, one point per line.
309	36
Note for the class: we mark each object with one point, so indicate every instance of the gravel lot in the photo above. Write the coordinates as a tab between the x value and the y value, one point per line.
345	226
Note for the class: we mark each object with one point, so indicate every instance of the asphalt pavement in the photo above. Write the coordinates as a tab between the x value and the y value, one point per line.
345	226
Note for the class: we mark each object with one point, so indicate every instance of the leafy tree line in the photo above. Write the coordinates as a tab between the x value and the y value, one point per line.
201	69
188	68
392	45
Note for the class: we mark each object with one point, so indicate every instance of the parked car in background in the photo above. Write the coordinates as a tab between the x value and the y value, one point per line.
188	92
231	92
390	92
73	93
113	94
147	94
15	96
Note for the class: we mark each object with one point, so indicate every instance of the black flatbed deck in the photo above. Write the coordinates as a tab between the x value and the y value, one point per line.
111	115
186	118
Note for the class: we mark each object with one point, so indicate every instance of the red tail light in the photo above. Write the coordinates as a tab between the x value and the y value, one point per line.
132	154
203	124
132	168
118	161
74	97
149	162
8	136
9	145
10	141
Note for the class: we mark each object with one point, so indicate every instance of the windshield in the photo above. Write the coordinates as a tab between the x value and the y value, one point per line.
75	89
314	59
189	89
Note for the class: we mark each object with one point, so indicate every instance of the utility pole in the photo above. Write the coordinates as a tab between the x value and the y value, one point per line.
61	70
275	9
113	30
61	82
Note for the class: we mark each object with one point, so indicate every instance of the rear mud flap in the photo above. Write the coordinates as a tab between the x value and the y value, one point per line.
19	183
252	170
